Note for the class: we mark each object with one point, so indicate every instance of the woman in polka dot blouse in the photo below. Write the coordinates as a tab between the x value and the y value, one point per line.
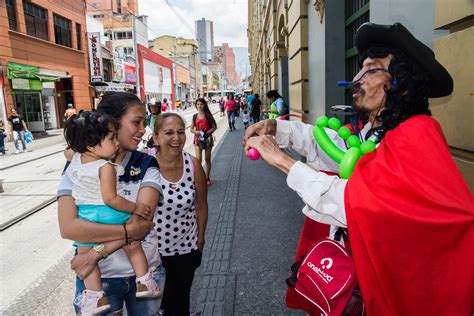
182	212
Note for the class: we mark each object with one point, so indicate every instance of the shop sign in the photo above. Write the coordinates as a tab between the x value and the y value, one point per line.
130	74
114	86
95	60
27	84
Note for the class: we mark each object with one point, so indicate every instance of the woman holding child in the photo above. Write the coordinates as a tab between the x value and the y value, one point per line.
140	184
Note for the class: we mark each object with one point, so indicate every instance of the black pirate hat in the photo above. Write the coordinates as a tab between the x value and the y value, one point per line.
398	37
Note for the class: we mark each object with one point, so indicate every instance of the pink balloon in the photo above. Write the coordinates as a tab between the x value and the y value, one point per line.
253	154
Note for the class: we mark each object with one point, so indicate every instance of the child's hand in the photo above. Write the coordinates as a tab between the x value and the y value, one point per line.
143	210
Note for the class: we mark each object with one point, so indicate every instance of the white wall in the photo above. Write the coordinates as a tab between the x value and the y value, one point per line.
94	25
152	78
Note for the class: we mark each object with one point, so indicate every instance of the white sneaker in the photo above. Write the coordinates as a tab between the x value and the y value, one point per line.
25	150
17	151
147	287
93	303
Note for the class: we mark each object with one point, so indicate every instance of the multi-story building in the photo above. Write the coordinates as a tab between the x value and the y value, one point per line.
44	63
185	53
302	48
224	55
205	38
99	8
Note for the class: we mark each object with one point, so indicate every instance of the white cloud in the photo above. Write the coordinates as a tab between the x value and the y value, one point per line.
229	17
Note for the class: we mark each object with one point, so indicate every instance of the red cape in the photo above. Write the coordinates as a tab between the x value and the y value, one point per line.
411	224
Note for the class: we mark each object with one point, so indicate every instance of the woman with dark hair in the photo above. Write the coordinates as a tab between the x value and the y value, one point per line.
231	107
182	213
203	126
140	184
278	106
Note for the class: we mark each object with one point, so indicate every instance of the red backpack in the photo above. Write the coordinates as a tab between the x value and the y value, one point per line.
325	277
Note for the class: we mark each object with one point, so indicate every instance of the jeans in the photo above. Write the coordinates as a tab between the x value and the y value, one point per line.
2	142
256	118
119	290
231	119
21	136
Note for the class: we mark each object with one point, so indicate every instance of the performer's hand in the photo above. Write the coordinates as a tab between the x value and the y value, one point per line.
270	152
265	127
84	263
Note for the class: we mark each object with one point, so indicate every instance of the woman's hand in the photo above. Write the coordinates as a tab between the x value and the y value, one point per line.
143	211
200	244
84	263
138	228
265	127
270	152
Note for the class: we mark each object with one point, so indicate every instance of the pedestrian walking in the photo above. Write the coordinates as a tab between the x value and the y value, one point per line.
407	195
182	213
165	106
140	184
203	126
70	111
246	118
91	137
17	130
255	108
231	106
222	106
3	134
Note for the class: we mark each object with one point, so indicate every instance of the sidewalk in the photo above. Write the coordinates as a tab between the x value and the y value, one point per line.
252	234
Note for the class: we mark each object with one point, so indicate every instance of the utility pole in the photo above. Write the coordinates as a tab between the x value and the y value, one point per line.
135	50
174	77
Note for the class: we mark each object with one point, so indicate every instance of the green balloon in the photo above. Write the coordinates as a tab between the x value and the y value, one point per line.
344	132
327	145
367	147
348	162
334	123
353	141
322	121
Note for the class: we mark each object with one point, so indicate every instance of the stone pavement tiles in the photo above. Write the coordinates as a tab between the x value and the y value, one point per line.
252	234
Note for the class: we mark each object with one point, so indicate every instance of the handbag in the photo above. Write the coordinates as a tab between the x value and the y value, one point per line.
29	137
325	277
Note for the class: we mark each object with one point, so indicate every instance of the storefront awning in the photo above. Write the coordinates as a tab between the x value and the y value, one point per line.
21	71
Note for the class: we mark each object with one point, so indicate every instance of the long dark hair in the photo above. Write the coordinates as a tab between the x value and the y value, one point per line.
409	97
273	94
116	104
208	113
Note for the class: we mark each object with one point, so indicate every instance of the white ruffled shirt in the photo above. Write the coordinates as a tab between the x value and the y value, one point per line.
322	194
86	181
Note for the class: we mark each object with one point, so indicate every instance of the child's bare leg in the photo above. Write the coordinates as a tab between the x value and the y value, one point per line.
137	258
93	280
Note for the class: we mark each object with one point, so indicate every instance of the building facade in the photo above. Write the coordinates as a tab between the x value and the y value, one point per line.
185	53
99	8
43	56
224	55
156	76
302	48
205	37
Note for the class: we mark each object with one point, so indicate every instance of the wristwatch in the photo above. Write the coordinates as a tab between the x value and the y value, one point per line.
100	249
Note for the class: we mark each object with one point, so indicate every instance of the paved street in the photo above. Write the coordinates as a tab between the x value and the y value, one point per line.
253	229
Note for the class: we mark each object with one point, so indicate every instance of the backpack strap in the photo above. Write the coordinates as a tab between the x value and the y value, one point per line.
194	119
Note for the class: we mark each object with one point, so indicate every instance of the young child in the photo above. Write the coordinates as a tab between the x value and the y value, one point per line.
91	138
246	118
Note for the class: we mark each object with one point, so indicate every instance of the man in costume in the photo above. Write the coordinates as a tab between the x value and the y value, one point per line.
408	211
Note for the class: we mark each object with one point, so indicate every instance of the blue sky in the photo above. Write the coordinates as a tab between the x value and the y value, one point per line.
229	17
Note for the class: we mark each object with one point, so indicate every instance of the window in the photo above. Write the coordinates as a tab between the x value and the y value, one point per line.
62	31
98	16
108	34
128	50
36	20
123	35
11	12
119	6
78	36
